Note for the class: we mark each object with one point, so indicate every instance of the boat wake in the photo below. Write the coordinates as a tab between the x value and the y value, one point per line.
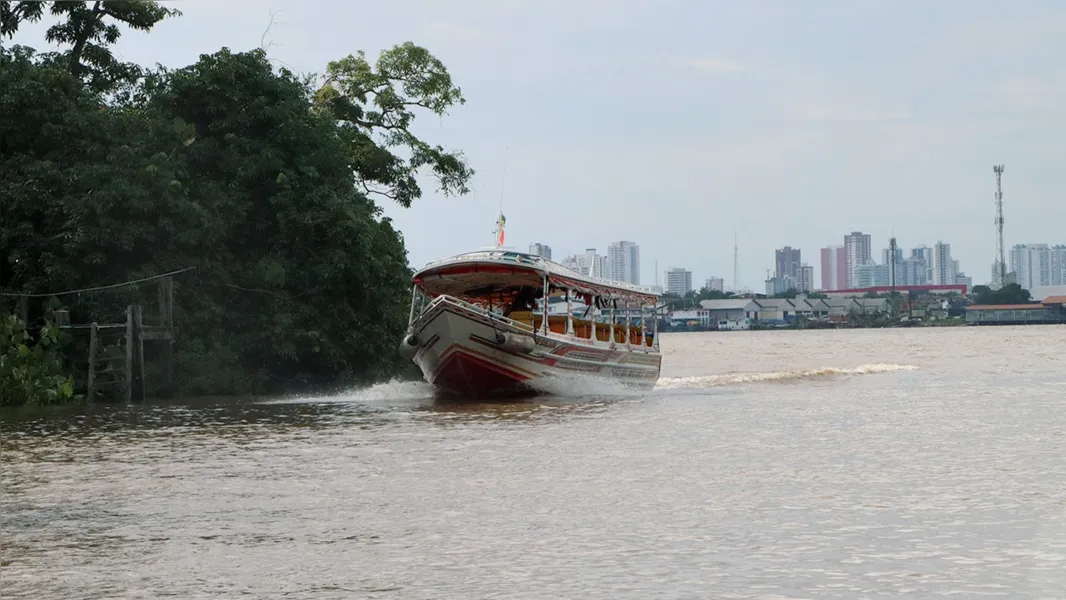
415	392
710	381
386	392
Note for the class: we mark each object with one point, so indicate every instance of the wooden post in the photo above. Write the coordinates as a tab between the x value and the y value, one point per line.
24	309
94	347
129	354
138	335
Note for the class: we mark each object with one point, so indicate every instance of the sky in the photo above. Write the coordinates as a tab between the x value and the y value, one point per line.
679	123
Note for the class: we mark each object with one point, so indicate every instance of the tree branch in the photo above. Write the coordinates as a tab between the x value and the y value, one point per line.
83	37
262	39
368	190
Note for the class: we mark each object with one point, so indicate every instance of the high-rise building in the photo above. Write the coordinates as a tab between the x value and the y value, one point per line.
678	281
806	279
787	261
857	251
834	268
1058	264
623	262
871	274
780	285
944	267
587	263
715	284
591	263
539	249
886	256
913	271
924	254
1032	265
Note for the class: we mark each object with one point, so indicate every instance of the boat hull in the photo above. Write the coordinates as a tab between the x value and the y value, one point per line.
468	353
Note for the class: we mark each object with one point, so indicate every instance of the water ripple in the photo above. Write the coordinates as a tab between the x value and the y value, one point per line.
833	482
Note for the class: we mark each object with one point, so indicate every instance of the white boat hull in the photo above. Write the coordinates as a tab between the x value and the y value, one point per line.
466	351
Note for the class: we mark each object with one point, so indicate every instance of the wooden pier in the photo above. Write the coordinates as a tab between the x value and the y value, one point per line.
115	365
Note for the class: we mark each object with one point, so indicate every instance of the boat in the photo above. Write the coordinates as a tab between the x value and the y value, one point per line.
488	323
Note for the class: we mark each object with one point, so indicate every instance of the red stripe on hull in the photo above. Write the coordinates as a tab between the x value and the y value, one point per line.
468	375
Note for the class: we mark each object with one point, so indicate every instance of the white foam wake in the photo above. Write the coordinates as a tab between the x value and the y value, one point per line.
389	391
706	381
577	386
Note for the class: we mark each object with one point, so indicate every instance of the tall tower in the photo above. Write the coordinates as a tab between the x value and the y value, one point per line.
892	263
1002	264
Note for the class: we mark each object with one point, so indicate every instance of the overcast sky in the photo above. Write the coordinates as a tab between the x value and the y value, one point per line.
675	123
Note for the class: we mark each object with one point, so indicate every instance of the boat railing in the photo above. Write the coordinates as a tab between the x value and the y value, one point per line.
521	325
502	255
452	300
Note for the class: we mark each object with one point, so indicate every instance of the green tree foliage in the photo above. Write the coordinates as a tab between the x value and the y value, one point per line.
305	280
88	28
87	187
251	174
1012	293
31	371
693	298
709	294
374	107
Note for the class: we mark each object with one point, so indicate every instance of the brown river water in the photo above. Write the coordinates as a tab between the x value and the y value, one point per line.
915	463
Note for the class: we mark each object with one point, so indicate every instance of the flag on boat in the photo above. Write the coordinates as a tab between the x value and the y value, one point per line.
500	222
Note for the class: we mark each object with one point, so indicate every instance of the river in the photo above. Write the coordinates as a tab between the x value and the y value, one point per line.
795	464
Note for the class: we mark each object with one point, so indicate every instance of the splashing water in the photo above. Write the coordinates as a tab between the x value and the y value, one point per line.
395	390
577	386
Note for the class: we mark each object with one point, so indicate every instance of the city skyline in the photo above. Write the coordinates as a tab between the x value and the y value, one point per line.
920	264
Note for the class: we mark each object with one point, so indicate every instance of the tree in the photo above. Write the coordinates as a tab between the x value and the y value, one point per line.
88	28
1012	293
89	195
31	371
709	294
374	108
252	175
306	280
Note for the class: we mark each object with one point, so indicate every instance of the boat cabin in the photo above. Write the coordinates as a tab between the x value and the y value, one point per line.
523	289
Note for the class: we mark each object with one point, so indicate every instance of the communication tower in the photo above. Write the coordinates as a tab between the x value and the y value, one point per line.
1001	264
892	263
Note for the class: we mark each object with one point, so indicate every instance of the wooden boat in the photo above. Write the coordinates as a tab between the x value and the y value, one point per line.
477	326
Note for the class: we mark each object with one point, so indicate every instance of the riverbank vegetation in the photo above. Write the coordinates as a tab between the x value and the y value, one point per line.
263	180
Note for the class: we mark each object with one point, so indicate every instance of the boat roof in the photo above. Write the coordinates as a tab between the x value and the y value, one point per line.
484	271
